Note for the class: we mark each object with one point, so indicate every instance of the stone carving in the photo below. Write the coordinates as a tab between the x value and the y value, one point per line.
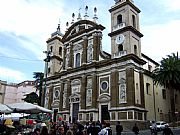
122	91
77	48
64	95
90	53
75	85
67	57
89	93
56	93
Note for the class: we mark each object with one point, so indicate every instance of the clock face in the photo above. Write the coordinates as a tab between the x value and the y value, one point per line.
120	39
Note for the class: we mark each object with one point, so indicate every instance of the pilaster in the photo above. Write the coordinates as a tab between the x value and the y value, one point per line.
68	93
64	54
114	88
71	58
94	90
130	86
142	89
83	92
84	55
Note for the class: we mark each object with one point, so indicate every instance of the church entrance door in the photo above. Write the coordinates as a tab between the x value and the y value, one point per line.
104	113
75	111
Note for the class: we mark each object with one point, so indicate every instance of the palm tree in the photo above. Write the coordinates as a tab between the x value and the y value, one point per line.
39	84
168	75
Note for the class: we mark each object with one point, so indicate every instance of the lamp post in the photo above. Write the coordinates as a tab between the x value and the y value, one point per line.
47	59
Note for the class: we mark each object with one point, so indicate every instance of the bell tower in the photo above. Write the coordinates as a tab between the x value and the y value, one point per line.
55	50
125	32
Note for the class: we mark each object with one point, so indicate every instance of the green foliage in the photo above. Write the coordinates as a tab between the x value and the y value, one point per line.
32	98
39	84
168	73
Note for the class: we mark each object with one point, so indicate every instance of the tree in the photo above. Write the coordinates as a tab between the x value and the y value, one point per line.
39	84
168	75
31	98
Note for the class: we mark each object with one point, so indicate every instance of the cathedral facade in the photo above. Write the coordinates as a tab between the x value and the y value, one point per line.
86	83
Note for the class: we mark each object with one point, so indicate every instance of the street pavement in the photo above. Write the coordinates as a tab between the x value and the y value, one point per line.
176	131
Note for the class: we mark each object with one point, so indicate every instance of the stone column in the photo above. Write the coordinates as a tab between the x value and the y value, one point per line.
94	91
114	88
130	86
83	92
84	54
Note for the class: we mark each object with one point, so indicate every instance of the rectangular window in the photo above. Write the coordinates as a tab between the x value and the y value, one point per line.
113	115
150	68
60	51
87	116
164	93
147	88
80	116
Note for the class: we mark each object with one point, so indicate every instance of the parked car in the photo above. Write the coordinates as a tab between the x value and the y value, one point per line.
160	125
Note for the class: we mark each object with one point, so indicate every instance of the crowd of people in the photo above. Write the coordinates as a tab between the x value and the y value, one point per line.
76	128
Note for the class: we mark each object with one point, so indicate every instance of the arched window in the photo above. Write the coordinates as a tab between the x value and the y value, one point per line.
134	21
135	49
51	48
119	19
77	64
120	48
60	51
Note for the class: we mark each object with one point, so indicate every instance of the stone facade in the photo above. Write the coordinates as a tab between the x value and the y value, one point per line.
90	84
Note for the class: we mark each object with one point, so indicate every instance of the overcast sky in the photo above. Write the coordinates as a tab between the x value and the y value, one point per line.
25	25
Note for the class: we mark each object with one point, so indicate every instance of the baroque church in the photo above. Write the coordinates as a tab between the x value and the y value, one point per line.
86	83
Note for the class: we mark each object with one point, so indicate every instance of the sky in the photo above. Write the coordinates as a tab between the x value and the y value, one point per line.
25	26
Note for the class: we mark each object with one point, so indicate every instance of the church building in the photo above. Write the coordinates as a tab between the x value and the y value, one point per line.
86	83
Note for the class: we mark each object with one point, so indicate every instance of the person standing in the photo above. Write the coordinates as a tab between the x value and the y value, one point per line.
119	128
135	129
167	131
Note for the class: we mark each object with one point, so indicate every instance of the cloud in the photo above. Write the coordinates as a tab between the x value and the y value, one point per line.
10	74
161	39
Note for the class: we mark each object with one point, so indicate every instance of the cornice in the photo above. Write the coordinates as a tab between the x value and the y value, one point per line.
128	28
96	67
123	4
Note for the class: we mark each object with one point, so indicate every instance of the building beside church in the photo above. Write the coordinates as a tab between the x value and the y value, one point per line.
86	83
15	92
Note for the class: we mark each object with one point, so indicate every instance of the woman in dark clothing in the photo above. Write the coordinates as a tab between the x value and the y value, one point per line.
135	129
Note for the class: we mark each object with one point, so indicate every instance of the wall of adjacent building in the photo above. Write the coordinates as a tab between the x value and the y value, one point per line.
14	93
2	91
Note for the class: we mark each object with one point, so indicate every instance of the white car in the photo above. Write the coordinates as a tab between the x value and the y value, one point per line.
161	125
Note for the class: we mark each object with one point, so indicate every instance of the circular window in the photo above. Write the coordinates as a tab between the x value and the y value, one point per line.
56	93
104	85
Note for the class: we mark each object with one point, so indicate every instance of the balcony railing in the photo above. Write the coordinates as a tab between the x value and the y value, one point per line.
119	54
119	26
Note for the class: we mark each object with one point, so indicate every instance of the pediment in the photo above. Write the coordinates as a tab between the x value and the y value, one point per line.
82	26
104	98
74	95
